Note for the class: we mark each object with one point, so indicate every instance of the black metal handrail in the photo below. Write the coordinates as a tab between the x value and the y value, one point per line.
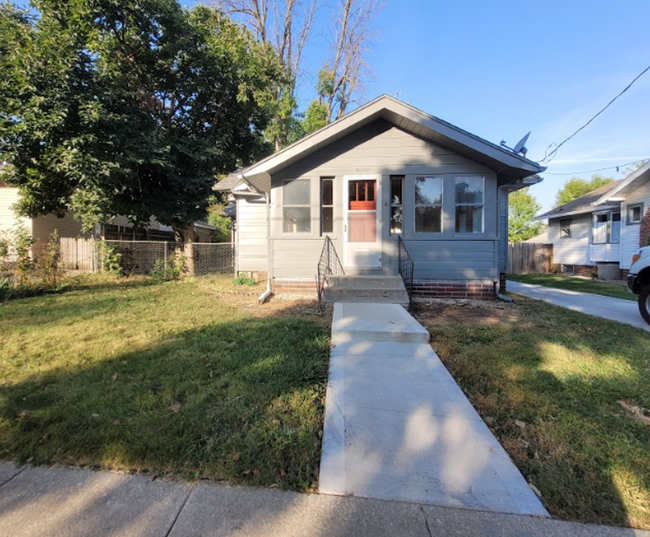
406	268
329	264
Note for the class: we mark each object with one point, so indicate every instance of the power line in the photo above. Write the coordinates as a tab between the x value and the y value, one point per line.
643	161
549	155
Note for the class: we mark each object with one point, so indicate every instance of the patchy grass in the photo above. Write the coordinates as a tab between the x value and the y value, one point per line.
566	394
570	283
177	379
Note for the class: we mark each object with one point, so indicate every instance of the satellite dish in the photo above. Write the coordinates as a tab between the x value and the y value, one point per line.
521	145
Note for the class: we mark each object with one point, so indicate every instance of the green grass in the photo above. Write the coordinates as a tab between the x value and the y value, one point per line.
556	387
175	379
582	285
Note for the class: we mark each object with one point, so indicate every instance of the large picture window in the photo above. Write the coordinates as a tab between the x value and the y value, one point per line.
428	204
296	206
607	228
469	204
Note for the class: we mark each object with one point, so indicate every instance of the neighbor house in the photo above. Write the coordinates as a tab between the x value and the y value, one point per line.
602	229
384	171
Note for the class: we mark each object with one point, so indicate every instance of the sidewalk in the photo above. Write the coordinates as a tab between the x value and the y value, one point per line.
614	309
62	502
398	427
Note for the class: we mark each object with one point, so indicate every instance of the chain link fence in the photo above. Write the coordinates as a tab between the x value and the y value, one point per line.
147	257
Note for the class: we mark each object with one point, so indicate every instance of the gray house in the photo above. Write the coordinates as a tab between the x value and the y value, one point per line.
384	183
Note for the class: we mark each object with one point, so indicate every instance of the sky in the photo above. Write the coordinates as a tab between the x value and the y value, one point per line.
500	69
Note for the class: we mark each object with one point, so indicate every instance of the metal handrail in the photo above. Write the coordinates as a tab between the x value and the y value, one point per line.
329	264
406	267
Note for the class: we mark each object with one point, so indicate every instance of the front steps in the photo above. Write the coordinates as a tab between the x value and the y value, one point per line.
366	289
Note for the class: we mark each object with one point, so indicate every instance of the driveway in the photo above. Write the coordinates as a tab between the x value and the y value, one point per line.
398	427
614	309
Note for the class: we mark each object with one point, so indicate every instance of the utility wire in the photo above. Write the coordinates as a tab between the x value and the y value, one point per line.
643	161
548	155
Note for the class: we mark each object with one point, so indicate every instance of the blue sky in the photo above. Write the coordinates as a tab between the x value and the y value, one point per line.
502	68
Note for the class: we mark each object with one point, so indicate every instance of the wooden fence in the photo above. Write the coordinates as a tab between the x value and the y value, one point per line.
77	254
525	258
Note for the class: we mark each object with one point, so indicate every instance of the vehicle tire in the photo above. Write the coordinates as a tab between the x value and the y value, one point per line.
644	303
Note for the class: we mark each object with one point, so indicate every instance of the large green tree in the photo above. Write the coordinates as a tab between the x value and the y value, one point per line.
128	107
576	187
522	208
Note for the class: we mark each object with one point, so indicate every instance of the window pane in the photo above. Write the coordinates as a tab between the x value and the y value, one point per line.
600	228
469	190
396	190
328	220
469	219
297	192
428	219
634	214
616	227
395	219
428	190
565	229
296	220
328	192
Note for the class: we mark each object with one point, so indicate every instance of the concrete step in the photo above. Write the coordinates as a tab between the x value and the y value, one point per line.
375	322
388	296
366	282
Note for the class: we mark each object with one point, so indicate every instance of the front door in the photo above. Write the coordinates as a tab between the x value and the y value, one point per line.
361	221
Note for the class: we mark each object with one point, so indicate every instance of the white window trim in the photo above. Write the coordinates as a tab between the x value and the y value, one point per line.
416	205
569	220
627	215
309	206
470	233
323	206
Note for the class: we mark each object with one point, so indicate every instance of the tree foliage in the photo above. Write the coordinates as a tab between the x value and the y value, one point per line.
576	187
129	107
522	208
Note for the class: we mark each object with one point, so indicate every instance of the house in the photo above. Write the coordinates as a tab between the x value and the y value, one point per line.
603	228
383	172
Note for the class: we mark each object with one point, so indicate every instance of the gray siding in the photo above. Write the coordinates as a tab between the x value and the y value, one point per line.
252	244
385	150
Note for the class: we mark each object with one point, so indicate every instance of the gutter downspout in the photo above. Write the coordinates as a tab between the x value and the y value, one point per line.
497	284
269	252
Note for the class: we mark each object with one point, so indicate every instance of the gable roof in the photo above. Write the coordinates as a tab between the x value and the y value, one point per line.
509	164
583	204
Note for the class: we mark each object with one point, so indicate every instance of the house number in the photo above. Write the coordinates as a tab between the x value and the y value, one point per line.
363	169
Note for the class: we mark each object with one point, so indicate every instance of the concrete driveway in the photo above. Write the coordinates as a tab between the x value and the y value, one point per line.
614	309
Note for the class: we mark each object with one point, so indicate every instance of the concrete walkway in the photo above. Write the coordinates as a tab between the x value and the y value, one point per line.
614	309
398	427
62	502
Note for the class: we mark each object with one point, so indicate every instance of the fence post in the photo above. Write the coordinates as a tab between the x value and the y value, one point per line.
165	259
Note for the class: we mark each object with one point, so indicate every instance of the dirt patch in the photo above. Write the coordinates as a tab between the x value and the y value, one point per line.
456	310
638	413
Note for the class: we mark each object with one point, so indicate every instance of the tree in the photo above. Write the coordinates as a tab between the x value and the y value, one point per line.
128	107
522	208
344	72
576	187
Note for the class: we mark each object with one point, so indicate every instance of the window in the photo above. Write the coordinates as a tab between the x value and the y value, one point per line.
635	213
607	228
326	205
565	229
296	208
396	208
469	204
428	204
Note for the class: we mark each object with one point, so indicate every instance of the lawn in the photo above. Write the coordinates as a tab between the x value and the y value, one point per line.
188	379
570	283
566	394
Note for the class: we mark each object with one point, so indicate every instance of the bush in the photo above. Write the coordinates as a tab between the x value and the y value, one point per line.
110	258
243	280
174	270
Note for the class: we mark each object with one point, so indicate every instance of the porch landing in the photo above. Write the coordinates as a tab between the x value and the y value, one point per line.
398	427
366	289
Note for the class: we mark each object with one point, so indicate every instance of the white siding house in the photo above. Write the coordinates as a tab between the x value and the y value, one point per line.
605	226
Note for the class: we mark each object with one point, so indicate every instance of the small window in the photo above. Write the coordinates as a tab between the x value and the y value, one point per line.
469	204
396	204
565	229
327	205
296	208
634	213
607	228
428	204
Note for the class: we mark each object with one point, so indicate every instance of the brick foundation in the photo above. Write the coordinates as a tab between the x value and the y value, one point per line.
305	286
644	232
481	289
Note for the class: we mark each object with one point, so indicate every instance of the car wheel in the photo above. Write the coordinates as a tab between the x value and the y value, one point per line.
644	303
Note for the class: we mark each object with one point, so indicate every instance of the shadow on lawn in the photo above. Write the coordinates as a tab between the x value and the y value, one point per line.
561	422
239	400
